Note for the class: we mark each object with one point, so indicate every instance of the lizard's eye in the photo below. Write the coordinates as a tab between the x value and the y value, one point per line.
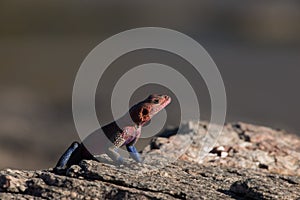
155	101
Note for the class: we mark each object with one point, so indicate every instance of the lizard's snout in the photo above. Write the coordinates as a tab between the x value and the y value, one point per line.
166	97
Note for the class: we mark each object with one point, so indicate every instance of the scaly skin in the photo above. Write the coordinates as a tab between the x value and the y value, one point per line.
125	131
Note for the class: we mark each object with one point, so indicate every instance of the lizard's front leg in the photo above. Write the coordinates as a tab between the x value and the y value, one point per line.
116	157
112	152
120	141
133	153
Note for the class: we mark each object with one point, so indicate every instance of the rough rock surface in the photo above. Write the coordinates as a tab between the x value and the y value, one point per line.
236	168
240	145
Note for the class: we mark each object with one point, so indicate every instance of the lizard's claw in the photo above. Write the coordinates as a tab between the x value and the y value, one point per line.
120	161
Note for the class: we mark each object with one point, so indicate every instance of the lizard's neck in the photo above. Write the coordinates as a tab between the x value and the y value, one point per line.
126	120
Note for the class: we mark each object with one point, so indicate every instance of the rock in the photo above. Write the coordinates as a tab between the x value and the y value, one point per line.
181	180
240	145
248	171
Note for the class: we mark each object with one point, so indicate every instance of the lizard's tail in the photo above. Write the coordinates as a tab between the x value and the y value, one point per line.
64	160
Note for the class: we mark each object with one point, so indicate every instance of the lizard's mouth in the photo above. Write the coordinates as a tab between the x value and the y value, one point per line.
166	101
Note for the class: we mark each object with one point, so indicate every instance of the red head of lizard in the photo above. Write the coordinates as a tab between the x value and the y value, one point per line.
145	110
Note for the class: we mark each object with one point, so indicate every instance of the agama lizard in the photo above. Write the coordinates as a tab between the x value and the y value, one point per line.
125	131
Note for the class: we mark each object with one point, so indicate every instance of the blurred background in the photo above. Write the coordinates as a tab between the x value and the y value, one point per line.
256	46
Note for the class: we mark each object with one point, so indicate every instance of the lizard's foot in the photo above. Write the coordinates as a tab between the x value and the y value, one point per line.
120	161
